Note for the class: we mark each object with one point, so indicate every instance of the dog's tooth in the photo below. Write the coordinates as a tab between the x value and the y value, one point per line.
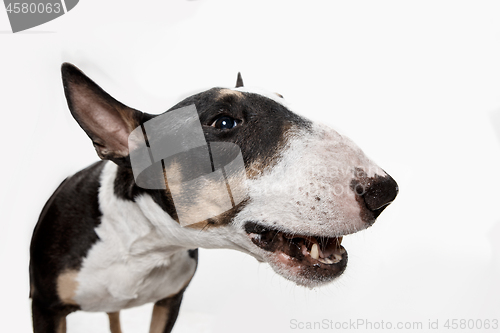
326	261
314	251
336	258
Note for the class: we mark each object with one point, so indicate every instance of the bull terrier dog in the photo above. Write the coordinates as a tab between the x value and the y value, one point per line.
104	243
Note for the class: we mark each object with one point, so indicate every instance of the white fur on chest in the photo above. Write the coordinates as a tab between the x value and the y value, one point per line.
131	264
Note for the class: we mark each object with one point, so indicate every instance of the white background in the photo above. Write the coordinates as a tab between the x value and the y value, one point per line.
416	84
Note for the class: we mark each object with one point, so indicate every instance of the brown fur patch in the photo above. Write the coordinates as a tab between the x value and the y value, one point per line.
66	286
159	319
114	322
219	220
61	328
198	205
228	92
258	167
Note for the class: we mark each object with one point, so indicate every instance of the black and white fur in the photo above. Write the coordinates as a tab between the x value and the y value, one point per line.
104	244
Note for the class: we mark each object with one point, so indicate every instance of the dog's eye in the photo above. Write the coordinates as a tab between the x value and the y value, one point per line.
225	122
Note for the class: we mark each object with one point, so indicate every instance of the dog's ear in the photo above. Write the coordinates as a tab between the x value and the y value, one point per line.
239	81
106	121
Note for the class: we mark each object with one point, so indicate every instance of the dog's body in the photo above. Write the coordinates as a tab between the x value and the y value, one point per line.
103	243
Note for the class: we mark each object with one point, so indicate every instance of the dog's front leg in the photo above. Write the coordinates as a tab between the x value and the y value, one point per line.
46	320
114	322
165	313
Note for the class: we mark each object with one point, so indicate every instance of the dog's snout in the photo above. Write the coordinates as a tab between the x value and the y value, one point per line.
380	192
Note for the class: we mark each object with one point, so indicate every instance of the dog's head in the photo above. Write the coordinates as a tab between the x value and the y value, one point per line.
306	185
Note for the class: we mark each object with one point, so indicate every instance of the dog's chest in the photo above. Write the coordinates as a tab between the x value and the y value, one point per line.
128	282
131	264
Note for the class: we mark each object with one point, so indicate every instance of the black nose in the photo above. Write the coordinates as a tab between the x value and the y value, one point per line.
381	191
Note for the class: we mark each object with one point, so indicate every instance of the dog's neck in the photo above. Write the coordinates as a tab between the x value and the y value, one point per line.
140	222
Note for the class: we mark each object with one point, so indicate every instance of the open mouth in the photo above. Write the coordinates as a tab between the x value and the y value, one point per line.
316	258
